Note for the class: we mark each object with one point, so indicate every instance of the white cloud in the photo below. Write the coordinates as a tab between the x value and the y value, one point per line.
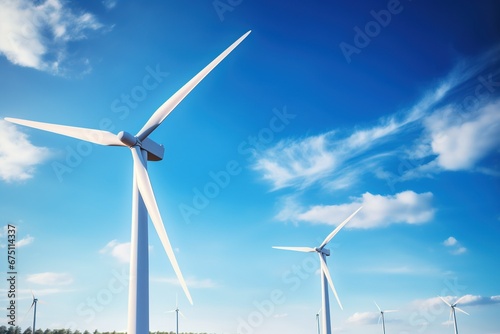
24	241
191	282
435	303
302	161
363	318
405	207
109	4
35	34
454	246
120	251
461	142
18	157
49	278
451	241
445	139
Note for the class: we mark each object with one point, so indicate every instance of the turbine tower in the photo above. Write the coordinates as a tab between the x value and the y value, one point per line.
325	274
317	320
33	305
452	310
177	312
382	315
143	200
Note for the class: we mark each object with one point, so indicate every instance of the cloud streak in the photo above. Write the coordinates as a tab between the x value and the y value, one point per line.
454	246
24	241
36	34
18	157
450	134
50	278
191	282
120	251
466	300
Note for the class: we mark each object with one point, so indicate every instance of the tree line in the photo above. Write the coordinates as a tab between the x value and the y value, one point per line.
18	330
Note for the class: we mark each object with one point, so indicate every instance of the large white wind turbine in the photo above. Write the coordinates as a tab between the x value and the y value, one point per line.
452	310
143	199
325	274
382	315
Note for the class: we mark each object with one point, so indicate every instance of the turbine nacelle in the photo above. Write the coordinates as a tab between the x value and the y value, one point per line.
324	251
155	150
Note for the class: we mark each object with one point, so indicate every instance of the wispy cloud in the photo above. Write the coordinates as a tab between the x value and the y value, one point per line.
35	34
109	4
120	251
363	318
18	157
450	134
405	207
404	269
454	246
25	241
191	282
458	142
466	300
50	278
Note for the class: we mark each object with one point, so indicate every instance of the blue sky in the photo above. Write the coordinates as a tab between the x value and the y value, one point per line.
323	108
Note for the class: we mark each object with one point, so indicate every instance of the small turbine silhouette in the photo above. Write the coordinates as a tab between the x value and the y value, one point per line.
452	310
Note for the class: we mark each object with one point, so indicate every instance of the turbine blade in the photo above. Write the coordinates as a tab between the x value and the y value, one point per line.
144	185
444	300
389	311
182	314
377	306
297	249
94	136
459	309
164	110
324	269
331	235
459	300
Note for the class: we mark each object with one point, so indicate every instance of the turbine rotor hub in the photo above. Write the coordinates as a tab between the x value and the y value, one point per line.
128	139
325	251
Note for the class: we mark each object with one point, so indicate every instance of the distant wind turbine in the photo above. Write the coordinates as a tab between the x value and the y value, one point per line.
452	310
325	274
143	200
382	315
177	312
317	320
33	306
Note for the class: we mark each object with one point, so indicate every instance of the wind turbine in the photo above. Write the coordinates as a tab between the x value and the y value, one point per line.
325	274
177	312
143	199
317	320
452	310
382	315
35	301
